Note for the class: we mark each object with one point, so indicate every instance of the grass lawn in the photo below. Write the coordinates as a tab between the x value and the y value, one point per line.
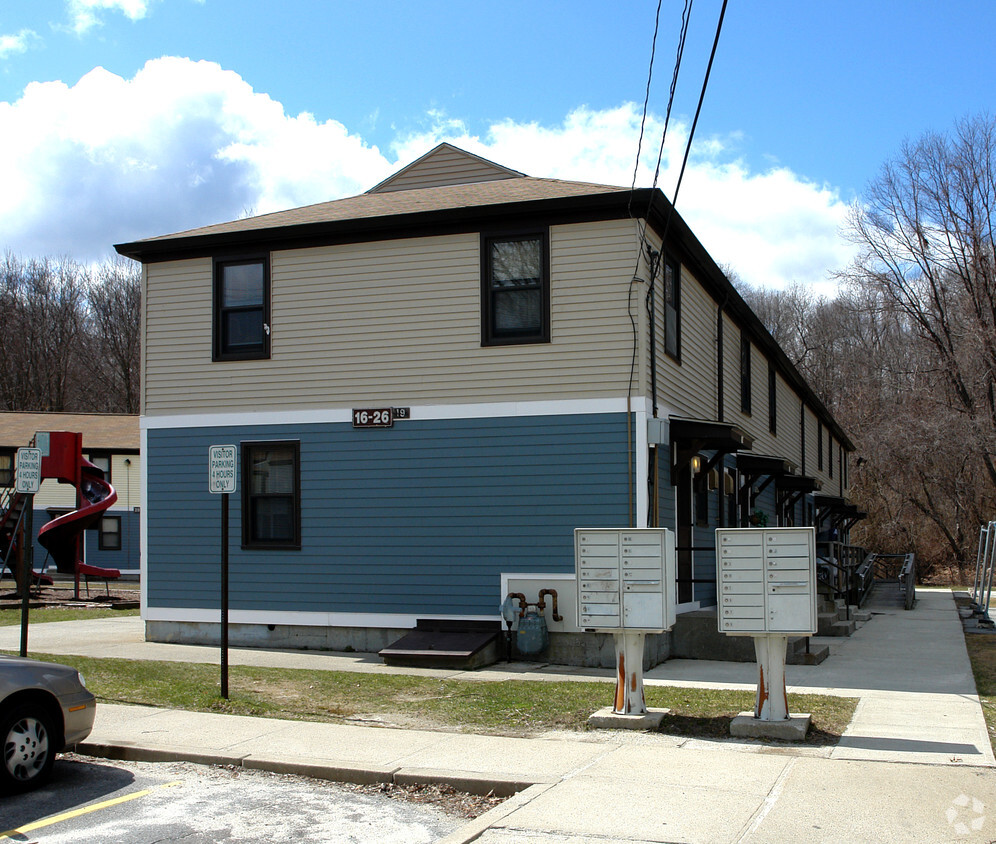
518	708
12	617
982	653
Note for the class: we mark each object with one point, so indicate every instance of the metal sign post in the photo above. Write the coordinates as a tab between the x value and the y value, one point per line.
27	481
221	480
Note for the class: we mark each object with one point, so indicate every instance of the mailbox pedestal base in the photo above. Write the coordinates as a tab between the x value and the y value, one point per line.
606	719
771	703
793	728
629	698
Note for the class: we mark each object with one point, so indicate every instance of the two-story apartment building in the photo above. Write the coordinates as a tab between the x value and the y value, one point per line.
432	384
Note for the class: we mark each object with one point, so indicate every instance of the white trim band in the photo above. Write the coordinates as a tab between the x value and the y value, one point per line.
484	410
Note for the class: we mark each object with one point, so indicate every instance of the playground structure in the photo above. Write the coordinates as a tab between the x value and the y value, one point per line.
62	537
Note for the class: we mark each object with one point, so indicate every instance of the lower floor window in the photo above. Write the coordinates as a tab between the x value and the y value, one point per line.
109	534
271	498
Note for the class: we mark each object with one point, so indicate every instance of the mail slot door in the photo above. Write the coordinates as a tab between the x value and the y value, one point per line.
791	607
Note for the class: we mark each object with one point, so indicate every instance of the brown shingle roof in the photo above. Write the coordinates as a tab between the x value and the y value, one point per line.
112	431
414	201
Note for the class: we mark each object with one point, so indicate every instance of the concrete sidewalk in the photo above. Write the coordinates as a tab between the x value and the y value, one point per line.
909	669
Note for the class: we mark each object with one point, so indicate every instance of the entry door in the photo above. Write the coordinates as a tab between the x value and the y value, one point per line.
683	535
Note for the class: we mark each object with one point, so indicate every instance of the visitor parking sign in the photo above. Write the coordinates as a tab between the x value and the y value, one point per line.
221	468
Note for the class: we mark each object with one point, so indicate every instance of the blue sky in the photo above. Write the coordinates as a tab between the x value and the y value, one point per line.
204	110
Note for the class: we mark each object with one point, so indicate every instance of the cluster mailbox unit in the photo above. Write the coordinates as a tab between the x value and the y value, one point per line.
767	580
625	583
625	578
766	584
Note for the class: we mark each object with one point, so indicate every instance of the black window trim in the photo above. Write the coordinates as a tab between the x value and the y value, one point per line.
10	472
498	236
219	262
257	545
670	261
101	453
746	368
772	399
102	544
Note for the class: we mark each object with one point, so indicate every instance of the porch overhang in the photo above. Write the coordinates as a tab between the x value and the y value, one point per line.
790	488
752	467
690	437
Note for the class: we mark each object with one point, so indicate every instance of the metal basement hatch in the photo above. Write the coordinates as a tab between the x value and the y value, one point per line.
442	643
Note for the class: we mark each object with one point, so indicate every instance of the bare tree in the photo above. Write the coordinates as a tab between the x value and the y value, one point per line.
71	338
926	230
115	296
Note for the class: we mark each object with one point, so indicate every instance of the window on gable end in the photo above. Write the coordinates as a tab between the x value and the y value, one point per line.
242	308
515	289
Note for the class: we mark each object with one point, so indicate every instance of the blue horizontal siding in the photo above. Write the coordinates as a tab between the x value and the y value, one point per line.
420	518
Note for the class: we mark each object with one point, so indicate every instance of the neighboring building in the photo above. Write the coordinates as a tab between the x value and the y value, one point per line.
111	442
503	319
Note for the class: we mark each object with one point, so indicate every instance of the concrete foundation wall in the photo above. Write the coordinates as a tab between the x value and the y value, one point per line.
588	650
349	639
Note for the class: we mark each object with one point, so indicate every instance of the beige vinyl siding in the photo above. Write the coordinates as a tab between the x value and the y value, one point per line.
731	373
444	167
787	408
53	494
689	389
126	480
812	447
394	322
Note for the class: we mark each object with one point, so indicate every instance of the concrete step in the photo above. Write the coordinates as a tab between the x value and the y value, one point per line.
825	622
816	655
695	636
843	628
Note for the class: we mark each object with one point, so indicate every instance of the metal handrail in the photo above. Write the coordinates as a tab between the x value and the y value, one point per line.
907	580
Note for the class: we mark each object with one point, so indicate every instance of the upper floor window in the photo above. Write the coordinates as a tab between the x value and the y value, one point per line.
6	468
819	445
271	495
772	400
745	386
672	308
515	289
830	454
102	462
241	308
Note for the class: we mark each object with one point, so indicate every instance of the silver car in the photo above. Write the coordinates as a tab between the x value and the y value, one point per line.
44	708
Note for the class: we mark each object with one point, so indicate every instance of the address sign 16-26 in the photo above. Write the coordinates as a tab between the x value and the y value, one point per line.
378	417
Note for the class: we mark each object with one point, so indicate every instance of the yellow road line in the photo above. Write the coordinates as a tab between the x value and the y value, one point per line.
65	816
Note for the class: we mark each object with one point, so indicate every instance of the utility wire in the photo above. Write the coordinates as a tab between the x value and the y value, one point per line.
695	121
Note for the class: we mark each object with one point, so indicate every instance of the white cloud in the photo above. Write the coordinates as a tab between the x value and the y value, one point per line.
773	228
12	44
85	14
185	143
180	145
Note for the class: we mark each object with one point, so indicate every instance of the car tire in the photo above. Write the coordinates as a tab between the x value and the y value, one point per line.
28	736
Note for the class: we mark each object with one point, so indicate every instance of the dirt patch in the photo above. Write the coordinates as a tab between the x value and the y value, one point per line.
444	797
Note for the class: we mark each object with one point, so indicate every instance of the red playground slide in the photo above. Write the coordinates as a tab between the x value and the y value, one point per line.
62	536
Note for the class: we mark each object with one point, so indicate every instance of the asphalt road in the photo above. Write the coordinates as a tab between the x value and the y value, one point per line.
96	800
